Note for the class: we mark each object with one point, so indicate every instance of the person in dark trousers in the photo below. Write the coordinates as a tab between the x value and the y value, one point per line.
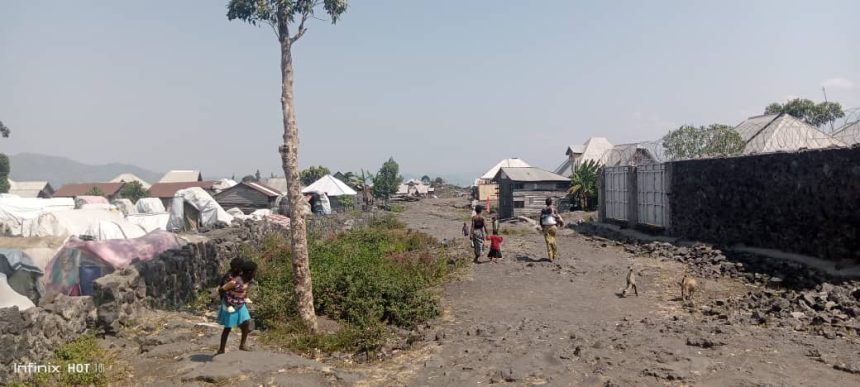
477	232
495	246
236	292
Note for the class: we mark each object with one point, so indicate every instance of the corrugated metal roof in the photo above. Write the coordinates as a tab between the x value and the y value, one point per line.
783	133
81	189
848	133
29	189
181	175
528	174
575	149
278	183
564	168
264	189
752	126
167	190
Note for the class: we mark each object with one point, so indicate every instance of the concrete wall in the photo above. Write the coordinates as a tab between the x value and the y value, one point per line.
805	202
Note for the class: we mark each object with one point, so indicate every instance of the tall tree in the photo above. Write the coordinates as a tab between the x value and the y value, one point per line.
4	162
426	179
690	142
280	14
808	111
4	173
249	179
387	180
133	191
313	173
257	176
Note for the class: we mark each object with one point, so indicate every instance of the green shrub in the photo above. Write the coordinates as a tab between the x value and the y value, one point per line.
364	278
85	350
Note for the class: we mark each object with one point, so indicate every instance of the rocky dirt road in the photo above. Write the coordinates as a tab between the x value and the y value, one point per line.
526	321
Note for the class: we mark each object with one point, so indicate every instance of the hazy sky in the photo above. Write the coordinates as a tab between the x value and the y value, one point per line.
444	86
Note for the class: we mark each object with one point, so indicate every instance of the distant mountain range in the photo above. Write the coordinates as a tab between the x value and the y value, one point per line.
60	170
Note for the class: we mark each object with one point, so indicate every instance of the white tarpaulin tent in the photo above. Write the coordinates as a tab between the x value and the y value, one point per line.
330	186
149	222
16	214
150	206
9	297
209	212
99	224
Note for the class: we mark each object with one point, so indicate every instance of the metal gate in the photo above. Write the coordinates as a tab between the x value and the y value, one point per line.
652	196
616	191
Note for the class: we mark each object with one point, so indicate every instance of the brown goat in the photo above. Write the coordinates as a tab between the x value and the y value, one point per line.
688	287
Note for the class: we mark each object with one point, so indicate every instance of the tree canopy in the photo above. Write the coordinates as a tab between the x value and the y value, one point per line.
426	179
4	130
808	111
133	191
313	173
94	191
249	179
4	173
279	14
690	142
583	183
387	180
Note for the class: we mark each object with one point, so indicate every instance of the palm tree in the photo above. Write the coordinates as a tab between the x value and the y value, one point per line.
583	182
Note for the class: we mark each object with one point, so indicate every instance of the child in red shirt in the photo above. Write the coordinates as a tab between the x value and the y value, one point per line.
495	246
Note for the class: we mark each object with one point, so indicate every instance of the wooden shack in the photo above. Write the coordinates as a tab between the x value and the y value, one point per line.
248	197
523	191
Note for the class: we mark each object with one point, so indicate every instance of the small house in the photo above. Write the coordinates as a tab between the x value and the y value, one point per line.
523	191
111	191
166	191
593	149
248	197
484	185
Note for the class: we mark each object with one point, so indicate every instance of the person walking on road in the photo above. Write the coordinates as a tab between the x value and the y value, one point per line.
478	231
549	222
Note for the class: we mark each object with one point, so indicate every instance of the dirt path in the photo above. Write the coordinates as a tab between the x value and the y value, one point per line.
529	321
524	321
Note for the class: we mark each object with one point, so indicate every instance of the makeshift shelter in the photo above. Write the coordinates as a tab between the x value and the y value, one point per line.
150	206
248	197
486	188
223	184
10	298
149	222
93	201
330	186
22	274
166	191
17	214
125	206
193	208
781	132
523	191
98	224
79	262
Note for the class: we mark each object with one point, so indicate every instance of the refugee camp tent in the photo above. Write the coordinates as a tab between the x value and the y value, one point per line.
192	208
125	206
149	222
17	214
81	201
79	262
331	186
22	274
150	206
223	184
9	297
99	224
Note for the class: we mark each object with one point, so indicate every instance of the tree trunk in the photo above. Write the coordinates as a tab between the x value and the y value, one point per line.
290	161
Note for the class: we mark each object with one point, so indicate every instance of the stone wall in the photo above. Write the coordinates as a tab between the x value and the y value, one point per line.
804	202
171	280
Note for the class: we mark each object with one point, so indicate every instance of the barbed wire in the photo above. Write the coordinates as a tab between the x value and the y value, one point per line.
760	135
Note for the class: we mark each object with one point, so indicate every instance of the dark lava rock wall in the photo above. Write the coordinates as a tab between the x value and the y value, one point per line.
803	202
